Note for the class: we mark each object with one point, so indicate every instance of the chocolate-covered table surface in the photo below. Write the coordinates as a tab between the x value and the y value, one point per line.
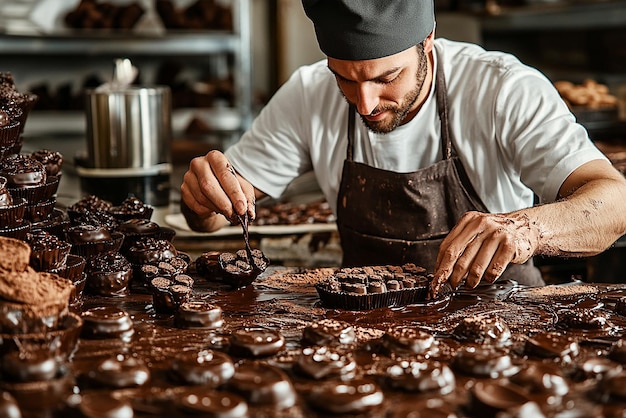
285	300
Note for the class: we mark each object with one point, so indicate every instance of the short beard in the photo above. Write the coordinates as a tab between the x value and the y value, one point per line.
399	113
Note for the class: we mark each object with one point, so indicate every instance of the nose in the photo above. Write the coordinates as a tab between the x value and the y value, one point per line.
367	98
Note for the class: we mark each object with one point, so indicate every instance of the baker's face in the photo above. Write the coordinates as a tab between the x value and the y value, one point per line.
386	92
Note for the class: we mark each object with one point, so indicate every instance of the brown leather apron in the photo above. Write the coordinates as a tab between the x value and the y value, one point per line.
384	217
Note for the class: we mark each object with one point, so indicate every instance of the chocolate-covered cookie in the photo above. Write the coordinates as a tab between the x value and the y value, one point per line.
256	342
420	376
552	344
329	332
198	314
107	322
325	362
402	340
263	384
121	371
483	361
542	378
206	367
199	401
483	329
349	397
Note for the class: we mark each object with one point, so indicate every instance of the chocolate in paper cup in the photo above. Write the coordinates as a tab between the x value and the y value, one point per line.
72	269
13	214
46	259
23	318
95	248
38	212
9	134
18	231
355	302
36	194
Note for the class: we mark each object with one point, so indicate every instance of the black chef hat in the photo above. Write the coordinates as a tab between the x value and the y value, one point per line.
369	29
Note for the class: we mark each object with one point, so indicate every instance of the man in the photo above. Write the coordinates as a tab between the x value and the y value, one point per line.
440	166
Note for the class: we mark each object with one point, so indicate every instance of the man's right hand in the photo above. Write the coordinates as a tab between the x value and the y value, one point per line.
210	187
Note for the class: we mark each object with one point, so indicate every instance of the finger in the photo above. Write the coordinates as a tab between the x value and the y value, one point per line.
481	263
229	182
465	260
501	259
193	197
201	183
248	191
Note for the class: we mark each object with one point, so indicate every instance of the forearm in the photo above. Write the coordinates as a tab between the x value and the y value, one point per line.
203	224
583	224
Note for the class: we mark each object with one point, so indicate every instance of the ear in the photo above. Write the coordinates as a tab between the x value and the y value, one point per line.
429	42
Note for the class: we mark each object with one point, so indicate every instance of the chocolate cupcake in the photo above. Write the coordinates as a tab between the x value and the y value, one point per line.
207	266
107	322
350	397
131	208
88	203
96	217
92	240
48	252
9	130
325	362
256	342
56	223
198	314
108	275
263	384
26	178
51	160
11	210
207	367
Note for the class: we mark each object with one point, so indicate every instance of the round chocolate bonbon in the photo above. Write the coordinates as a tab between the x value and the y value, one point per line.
107	322
29	366
350	397
198	314
100	404
325	362
488	398
256	341
206	367
552	344
263	384
483	329
483	361
421	376
121	371
8	406
210	404
329	332
108	275
407	340
580	318
543	378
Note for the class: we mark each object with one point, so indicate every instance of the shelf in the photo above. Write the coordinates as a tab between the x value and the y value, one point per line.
86	43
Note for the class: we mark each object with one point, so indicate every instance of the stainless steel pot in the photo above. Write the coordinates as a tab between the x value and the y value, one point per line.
129	127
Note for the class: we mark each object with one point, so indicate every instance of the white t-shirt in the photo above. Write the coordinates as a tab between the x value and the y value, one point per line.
512	132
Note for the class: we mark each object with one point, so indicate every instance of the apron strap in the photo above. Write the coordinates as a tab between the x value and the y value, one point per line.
351	118
442	108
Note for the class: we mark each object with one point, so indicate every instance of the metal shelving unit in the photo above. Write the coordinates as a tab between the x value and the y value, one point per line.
88	45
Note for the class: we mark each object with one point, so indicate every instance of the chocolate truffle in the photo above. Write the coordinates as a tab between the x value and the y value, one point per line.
30	366
488	398
26	177
151	251
132	208
582	318
552	344
89	203
256	341
542	378
206	367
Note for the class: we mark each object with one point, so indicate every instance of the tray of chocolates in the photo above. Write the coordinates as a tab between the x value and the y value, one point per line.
371	287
